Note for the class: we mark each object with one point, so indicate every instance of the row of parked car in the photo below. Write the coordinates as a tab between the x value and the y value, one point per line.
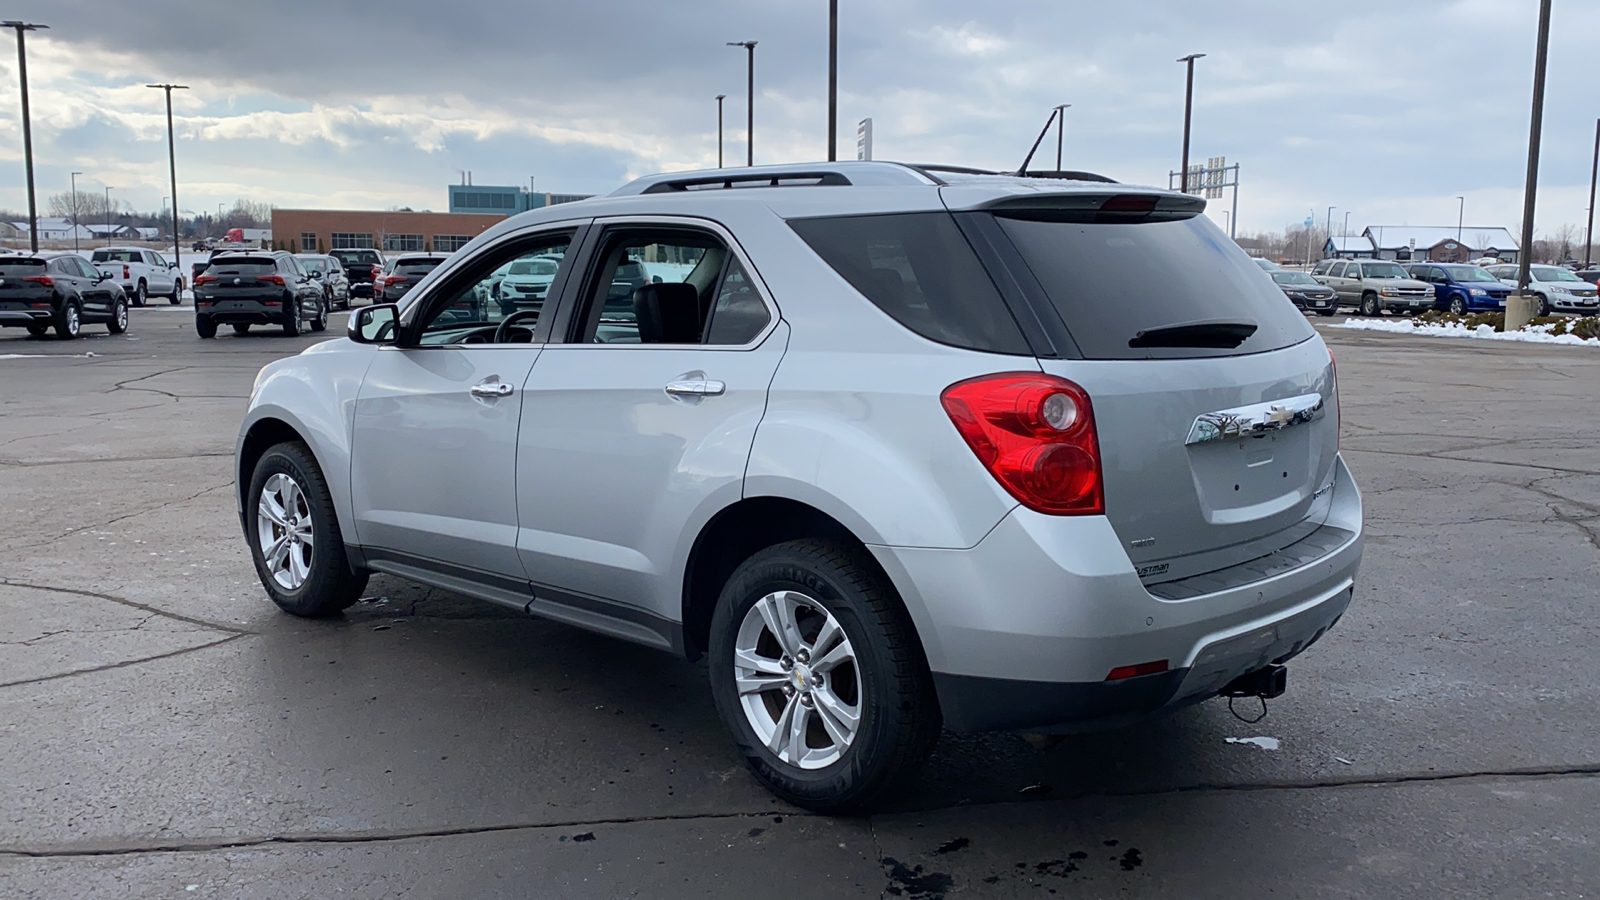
1375	286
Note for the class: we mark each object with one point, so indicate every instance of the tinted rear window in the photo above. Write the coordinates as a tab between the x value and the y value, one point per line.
417	266
242	266
1112	281
117	256
353	257
918	268
21	268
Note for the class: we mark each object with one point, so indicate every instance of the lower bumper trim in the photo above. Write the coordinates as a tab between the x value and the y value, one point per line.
973	703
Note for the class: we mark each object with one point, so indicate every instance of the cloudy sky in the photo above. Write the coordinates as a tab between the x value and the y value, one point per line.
1389	110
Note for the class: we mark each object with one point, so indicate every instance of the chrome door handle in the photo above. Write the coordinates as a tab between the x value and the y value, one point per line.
696	387
492	389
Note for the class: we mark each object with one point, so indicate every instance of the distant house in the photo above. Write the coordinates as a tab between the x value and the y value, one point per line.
147	233
1441	243
1351	247
52	228
113	232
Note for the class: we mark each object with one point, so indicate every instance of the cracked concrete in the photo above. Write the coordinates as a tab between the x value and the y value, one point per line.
164	730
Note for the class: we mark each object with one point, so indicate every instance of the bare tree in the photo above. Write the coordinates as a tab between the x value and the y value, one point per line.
91	206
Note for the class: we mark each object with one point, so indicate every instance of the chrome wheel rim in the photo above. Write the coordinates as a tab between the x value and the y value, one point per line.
284	532
798	681
72	319
122	315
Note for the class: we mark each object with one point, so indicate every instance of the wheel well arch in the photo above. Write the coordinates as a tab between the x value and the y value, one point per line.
736	533
263	434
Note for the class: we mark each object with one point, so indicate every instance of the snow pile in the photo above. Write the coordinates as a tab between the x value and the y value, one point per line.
1533	334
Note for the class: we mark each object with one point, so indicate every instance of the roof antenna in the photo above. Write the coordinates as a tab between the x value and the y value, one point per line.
1037	141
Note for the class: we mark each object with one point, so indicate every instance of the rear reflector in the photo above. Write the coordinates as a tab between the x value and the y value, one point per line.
1149	668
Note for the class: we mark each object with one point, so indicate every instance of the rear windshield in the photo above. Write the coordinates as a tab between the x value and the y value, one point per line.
346	257
1111	281
20	268
117	256
416	266
919	269
243	266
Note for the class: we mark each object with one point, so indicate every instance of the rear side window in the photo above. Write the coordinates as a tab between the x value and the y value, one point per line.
1113	281
918	268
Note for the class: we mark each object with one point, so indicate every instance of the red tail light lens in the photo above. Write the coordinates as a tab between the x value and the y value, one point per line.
45	280
272	279
125	275
394	279
1149	668
205	279
1035	434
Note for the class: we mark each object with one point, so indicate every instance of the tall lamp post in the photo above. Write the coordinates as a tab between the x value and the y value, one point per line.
75	215
1588	235
1061	130
833	80
1188	107
1344	234
172	163
108	215
750	100
1330	221
27	127
720	98
1521	305
1461	217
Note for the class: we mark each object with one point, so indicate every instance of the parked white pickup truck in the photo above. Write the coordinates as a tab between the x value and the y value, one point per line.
142	273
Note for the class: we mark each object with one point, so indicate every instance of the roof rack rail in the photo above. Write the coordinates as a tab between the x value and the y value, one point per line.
748	180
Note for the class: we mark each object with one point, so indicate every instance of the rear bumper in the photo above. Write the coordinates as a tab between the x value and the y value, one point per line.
25	317
1022	630
361	289
239	312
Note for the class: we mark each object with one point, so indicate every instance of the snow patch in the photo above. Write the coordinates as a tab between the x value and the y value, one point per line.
1265	743
1532	334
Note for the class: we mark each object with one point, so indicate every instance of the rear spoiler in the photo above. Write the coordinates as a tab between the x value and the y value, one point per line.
1097	206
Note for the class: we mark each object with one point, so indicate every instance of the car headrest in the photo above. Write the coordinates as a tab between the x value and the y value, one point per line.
667	313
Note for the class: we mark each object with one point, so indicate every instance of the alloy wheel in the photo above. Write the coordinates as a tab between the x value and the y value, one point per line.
284	531
798	681
74	323
122	316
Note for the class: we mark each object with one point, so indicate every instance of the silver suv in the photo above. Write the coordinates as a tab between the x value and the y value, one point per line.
1374	285
894	447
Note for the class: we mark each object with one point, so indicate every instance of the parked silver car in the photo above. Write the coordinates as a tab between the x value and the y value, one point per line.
1558	288
901	447
1374	285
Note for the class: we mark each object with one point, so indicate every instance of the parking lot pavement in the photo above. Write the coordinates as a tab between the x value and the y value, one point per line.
164	731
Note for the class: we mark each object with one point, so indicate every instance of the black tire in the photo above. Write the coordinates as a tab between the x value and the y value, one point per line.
241	328
330	586
38	331
140	294
69	320
291	317
119	316
899	711
205	326
1458	305
320	323
176	297
1370	306
1544	306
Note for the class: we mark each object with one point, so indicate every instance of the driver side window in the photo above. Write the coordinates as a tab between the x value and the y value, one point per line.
499	297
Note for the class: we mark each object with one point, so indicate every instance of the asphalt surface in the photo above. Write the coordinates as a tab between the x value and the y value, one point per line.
165	732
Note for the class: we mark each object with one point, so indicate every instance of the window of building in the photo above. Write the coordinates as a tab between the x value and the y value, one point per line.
449	243
351	240
308	242
486	200
402	242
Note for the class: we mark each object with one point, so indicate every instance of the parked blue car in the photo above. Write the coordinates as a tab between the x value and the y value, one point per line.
1462	288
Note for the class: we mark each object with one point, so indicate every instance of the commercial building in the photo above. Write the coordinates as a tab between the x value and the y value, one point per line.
321	230
1348	247
503	200
1441	243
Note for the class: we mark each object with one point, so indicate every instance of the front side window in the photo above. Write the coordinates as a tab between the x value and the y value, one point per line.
672	286
498	297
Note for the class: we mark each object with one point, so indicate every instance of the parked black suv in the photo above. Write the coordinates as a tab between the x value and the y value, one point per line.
245	288
60	291
360	265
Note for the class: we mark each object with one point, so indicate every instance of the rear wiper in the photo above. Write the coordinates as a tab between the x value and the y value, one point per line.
1219	335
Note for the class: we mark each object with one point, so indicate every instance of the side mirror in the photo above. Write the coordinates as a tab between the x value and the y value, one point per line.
375	324
656	280
102	276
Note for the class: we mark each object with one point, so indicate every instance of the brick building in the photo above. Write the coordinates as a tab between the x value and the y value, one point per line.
321	230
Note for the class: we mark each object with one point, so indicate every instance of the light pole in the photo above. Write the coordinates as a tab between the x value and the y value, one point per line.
1461	216
1061	129
720	98
1588	235
108	215
1521	305
27	127
1344	234
750	100
1330	221
75	214
833	80
172	163
1188	106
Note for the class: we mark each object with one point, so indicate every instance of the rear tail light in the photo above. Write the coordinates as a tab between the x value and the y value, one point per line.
272	279
204	279
394	279
125	275
45	280
1035	434
376	271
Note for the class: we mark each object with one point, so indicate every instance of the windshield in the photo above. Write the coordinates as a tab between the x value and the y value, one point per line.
533	267
1383	270
1552	273
1295	278
1470	273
